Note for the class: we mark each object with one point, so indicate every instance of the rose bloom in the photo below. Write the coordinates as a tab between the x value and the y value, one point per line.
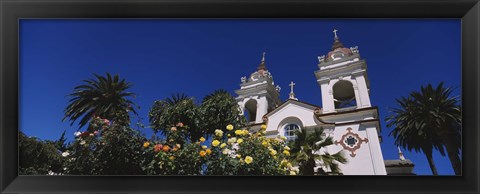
229	127
65	154
238	132
219	133
157	147
171	157
239	141
265	143
209	151
202	153
202	139
174	149
286	152
78	133
223	145
178	145
204	147
232	140
264	127
215	143
173	129
248	159
166	148
180	124
273	152
287	148
146	144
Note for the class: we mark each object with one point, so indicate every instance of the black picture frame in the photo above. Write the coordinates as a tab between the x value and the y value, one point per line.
11	11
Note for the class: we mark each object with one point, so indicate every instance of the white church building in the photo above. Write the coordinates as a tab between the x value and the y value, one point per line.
347	114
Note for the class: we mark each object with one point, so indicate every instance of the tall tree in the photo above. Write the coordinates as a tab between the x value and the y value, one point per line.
178	108
218	110
427	120
306	150
105	97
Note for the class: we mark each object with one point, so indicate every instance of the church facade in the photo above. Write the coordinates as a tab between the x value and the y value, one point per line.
347	114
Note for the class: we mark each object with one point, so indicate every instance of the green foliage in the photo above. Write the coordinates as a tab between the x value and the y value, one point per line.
173	110
39	157
305	151
104	97
216	111
427	120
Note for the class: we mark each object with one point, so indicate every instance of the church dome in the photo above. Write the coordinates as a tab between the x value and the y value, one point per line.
338	51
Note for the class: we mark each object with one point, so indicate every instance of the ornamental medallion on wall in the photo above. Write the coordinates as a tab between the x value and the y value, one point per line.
351	141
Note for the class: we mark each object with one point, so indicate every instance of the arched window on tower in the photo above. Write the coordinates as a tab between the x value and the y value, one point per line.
251	110
343	95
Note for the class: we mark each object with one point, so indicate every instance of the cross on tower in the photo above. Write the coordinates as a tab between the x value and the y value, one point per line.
292	95
335	32
291	86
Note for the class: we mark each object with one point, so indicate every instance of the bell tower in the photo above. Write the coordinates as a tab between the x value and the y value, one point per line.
343	79
258	94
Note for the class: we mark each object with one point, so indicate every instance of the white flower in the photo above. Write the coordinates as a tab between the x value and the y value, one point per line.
65	154
78	133
226	151
83	142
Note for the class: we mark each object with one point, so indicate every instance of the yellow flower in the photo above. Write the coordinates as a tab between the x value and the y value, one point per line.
239	156
203	153
264	127
228	135
219	133
283	138
293	172
273	152
245	132
265	143
223	145
229	127
286	152
146	144
239	141
204	147
248	159
284	162
289	165
209	151
238	132
215	143
202	139
171	157
287	148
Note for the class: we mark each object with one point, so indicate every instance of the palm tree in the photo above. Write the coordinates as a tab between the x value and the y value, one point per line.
427	120
105	97
306	150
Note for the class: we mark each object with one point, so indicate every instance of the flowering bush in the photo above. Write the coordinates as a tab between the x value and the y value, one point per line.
106	148
231	152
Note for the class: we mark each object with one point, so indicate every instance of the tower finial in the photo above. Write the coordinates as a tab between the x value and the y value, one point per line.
400	154
262	63
292	95
335	33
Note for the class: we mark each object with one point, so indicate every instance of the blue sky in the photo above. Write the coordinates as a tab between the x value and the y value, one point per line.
197	56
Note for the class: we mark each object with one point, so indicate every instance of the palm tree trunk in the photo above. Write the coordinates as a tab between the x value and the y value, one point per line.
453	155
431	163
